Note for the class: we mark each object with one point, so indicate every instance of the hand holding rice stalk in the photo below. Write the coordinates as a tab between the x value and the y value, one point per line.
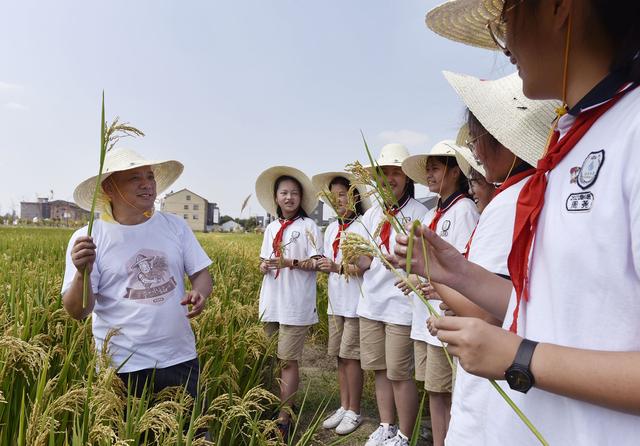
109	137
355	246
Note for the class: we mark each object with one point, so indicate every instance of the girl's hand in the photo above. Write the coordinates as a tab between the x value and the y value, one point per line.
445	262
264	268
484	350
327	265
412	280
447	311
428	291
277	263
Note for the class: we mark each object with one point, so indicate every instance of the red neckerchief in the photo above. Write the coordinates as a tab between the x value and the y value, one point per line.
531	198
504	186
277	240
342	226
441	211
385	230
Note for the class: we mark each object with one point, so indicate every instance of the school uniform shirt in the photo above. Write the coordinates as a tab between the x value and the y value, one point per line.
344	292
584	279
455	226
138	282
290	298
381	300
490	249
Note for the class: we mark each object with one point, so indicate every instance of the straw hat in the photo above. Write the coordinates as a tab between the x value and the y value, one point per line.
415	167
466	161
321	182
267	180
520	124
466	21
391	155
119	160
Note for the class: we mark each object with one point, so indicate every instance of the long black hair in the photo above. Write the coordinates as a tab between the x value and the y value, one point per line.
356	193
301	211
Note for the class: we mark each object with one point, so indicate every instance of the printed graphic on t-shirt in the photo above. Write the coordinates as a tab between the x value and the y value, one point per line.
148	280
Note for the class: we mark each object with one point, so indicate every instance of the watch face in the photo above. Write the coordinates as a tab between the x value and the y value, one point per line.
518	379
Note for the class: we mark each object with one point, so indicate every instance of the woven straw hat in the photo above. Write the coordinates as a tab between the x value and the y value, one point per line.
322	180
466	161
267	180
415	167
391	155
466	21
118	160
520	124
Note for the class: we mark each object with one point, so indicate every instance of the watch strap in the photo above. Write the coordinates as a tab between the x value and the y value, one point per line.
525	353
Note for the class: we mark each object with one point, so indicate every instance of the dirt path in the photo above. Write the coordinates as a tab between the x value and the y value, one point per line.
319	381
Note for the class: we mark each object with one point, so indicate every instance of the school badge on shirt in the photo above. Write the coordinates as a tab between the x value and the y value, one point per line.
148	281
590	169
446	225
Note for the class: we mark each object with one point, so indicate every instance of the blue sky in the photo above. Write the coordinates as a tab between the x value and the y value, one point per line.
229	88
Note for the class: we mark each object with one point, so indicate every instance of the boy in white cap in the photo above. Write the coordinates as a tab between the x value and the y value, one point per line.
137	259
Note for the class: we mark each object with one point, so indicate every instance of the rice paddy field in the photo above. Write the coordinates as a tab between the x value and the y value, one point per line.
55	390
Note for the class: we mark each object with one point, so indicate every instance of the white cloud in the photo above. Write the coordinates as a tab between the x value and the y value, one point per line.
4	86
406	137
15	106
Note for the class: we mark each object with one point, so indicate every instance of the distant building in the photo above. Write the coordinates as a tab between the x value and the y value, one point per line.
260	221
318	214
193	208
59	210
231	226
430	201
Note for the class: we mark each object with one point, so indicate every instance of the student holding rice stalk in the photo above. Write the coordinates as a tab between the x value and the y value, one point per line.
454	219
385	313
344	283
558	364
291	247
137	259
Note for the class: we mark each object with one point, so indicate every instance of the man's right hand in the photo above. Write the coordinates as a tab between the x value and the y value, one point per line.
83	253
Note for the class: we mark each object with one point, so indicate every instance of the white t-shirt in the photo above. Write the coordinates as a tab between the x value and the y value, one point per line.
290	298
138	280
455	226
344	293
381	300
490	249
584	280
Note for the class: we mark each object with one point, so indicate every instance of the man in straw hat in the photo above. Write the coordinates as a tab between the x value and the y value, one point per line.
137	259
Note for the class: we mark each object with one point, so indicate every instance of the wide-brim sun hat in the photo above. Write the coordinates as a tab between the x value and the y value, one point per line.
119	159
321	182
465	159
266	182
520	124
415	167
465	21
391	155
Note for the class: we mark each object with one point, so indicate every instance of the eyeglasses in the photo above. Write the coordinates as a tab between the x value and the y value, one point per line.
472	145
498	28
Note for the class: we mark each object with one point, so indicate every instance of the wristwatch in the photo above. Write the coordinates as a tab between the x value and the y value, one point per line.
294	263
518	375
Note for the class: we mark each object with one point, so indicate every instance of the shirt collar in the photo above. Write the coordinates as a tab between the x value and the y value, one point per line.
604	91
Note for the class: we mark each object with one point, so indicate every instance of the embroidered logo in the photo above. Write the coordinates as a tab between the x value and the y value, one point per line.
148	281
580	202
590	169
446	225
574	174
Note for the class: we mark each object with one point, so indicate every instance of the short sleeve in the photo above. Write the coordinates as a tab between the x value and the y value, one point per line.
266	248
492	240
194	257
634	216
465	223
70	268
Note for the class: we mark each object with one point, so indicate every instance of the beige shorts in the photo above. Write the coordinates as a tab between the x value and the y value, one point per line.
290	339
420	353
344	337
386	347
438	375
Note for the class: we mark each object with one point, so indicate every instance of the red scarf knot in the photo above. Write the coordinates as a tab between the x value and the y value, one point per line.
342	227
277	240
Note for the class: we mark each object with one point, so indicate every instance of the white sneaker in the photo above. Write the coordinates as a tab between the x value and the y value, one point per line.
349	423
334	420
398	440
380	435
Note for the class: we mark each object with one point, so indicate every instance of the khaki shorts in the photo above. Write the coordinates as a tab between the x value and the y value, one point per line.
438	376
420	353
386	347
290	339
344	337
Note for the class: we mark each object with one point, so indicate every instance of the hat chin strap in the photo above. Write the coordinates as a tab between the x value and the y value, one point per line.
147	214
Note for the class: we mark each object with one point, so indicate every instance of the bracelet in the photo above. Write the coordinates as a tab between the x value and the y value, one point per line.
341	272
